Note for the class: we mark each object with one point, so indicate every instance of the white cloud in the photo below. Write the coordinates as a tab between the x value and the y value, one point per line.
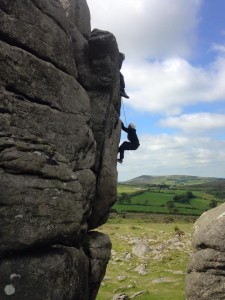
169	155
219	48
148	28
170	85
195	123
158	37
162	30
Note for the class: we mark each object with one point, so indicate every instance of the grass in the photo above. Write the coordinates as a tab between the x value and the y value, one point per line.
129	189
147	218
154	201
170	266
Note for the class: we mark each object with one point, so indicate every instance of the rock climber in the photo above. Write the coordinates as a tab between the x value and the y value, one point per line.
133	143
122	82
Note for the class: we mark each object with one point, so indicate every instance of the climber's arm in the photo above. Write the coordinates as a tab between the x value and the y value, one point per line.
124	128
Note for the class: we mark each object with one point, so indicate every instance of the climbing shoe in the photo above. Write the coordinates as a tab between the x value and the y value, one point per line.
123	94
119	161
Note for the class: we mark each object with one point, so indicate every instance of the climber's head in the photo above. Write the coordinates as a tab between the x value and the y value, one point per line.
132	125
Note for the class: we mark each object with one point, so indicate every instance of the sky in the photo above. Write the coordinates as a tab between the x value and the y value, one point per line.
175	76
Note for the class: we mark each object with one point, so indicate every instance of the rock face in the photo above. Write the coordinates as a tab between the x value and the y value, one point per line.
206	271
59	135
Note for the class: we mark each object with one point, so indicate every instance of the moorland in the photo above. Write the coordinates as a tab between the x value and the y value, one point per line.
150	227
182	195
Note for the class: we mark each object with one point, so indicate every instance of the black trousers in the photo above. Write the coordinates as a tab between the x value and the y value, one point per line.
126	146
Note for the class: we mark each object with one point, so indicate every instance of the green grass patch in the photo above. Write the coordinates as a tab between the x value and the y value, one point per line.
154	200
128	189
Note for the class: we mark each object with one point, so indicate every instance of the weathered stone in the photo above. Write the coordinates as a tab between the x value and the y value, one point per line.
206	275
46	95
40	82
141	269
121	297
135	295
78	13
105	114
104	63
204	286
207	260
87	179
50	274
59	135
140	249
98	249
24	25
38	211
81	52
209	229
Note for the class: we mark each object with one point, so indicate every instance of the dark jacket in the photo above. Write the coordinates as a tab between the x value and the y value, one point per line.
121	59
132	136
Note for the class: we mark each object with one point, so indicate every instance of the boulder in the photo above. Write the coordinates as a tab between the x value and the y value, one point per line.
205	275
140	249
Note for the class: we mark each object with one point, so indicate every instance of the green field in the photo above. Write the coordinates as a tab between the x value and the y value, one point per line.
123	188
165	264
155	200
147	211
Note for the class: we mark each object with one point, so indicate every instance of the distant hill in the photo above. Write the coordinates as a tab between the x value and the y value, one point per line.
174	180
172	194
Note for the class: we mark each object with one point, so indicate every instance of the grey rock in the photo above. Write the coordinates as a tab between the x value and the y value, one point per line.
163	279
59	135
105	106
77	12
87	179
121	297
135	295
204	286
51	274
209	229
140	249
121	277
98	249
33	26
104	63
205	274
141	269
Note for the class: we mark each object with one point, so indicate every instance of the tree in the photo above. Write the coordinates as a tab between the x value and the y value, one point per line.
184	198
213	203
189	195
124	198
170	205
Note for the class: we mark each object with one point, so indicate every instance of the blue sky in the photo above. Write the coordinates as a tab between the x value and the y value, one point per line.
175	77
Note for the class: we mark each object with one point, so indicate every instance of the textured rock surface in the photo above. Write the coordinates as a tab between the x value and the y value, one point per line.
98	251
78	13
50	274
59	135
104	112
206	270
